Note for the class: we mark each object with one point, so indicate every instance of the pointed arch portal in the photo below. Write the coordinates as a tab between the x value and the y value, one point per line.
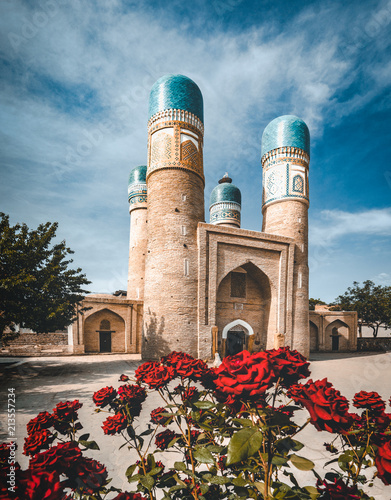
237	322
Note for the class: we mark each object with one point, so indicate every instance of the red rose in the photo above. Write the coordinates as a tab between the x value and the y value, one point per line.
38	441
338	490
87	476
114	424
186	366
42	421
174	357
133	396
154	374
370	400
58	458
290	366
158	418
39	485
189	394
327	408
123	378
104	396
129	496
245	375
194	370
132	393
67	411
383	463
164	438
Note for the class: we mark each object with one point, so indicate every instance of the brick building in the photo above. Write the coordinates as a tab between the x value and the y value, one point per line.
210	287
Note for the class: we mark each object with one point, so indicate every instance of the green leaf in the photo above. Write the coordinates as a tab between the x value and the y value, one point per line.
147	481
180	466
301	463
203	455
130	470
84	437
239	481
204	405
219	480
155	471
90	445
243	444
279	460
287	444
314	493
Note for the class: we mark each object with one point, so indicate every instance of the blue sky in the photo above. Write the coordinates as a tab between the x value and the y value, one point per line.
75	80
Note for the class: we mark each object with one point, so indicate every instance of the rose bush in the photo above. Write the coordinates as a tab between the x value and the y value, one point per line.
233	429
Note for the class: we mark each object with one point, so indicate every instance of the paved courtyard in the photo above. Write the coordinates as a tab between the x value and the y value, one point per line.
40	383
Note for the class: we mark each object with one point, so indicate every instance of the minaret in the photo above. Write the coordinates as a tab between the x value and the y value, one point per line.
137	196
285	162
175	181
225	203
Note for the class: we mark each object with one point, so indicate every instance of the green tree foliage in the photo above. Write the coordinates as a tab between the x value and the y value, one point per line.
372	303
37	290
313	302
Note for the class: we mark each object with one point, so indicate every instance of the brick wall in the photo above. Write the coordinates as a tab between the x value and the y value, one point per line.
43	339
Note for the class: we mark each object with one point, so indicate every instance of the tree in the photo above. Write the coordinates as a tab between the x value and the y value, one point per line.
314	302
37	290
372	303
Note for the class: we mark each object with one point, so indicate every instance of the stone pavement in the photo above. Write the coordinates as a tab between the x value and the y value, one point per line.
40	383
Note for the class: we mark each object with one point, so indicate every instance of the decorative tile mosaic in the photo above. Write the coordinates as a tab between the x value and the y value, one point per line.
138	175
298	184
286	131
225	192
228	216
176	92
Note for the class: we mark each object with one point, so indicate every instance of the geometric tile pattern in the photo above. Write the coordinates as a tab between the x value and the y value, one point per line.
287	130
176	92
280	177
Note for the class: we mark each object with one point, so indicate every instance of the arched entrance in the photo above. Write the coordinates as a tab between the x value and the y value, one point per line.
237	336
337	336
104	331
334	339
244	294
104	336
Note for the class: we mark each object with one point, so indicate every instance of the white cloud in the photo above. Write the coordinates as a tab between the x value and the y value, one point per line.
72	165
332	225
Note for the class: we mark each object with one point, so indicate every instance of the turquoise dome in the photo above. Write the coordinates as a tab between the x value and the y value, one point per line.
286	131
225	192
138	175
176	92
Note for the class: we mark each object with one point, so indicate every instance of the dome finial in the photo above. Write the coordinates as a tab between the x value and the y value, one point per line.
225	178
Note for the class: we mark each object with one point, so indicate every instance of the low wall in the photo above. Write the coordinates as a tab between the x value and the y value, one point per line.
38	344
374	344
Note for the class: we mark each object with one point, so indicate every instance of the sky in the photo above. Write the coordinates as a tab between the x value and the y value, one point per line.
75	77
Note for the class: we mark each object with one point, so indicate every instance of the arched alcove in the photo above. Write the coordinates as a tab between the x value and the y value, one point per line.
104	331
314	337
244	294
337	336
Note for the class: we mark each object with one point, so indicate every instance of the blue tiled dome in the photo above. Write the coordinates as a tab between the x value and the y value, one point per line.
286	131
176	92
138	175
225	192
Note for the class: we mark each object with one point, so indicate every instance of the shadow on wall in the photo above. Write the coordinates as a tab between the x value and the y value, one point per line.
153	345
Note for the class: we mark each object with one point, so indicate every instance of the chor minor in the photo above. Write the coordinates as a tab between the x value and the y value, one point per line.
207	288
